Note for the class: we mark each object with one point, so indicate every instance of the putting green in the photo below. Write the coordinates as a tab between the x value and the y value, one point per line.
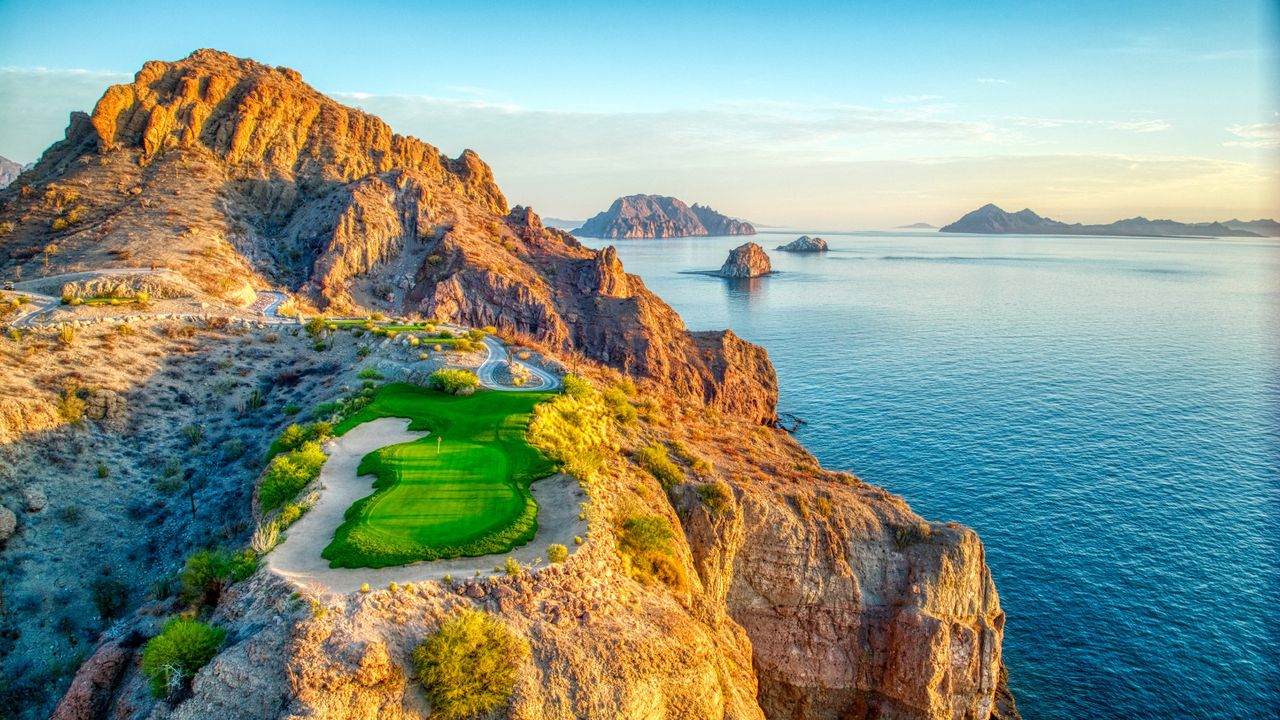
466	495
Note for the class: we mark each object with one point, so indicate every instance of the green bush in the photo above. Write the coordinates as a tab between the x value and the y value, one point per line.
369	373
453	381
716	496
207	572
645	545
289	473
110	596
576	429
184	646
469	665
557	553
623	411
289	514
655	459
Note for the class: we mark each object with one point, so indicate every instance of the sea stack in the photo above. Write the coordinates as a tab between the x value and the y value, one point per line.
805	244
746	261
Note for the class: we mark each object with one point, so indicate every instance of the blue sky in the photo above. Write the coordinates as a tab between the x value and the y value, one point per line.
816	115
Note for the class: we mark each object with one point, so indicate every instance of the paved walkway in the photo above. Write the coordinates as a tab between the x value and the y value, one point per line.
298	560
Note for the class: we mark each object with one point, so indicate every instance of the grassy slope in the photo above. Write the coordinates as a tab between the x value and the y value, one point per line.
470	498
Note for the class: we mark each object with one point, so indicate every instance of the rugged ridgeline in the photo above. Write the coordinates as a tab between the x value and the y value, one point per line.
9	171
990	219
239	176
788	591
658	216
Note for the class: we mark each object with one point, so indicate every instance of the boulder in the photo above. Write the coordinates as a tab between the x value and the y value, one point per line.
8	524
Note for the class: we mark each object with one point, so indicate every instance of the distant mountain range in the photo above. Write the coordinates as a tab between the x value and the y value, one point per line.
660	216
9	171
990	219
917	226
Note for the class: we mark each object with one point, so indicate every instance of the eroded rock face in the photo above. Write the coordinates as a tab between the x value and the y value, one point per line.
746	261
805	244
855	606
659	216
278	185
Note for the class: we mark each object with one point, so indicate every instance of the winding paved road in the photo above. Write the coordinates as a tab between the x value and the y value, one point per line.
496	357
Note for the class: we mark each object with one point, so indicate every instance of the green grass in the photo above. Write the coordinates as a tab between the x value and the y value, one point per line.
470	497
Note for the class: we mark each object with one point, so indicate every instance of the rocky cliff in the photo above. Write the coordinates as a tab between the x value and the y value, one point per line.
805	244
779	589
658	216
746	261
241	176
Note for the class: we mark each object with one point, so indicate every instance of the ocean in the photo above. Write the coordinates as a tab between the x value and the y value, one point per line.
1105	412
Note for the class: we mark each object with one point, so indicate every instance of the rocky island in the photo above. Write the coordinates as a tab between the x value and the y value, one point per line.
746	261
155	443
991	220
804	244
659	216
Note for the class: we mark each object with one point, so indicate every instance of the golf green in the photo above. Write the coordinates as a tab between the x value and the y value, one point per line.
463	490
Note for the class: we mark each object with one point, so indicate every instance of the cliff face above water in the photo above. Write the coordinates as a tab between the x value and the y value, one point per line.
658	216
241	176
746	261
793	591
990	219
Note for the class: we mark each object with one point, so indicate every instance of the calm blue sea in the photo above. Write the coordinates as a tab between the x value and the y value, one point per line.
1104	411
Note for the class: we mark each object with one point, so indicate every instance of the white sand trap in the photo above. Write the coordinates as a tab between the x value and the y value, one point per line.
298	560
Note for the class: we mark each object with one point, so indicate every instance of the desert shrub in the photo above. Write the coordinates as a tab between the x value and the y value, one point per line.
716	496
289	514
577	539
70	405
369	373
511	566
363	352
654	458
67	335
291	409
315	326
110	596
207	572
265	537
255	400
446	335
475	335
287	474
434	259
469	665
453	381
823	506
182	648
103	471
908	535
619	406
575	429
194	433
645	545
291	437
576	386
557	553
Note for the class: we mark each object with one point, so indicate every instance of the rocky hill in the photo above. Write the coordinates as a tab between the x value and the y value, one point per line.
726	574
242	176
9	171
658	216
990	219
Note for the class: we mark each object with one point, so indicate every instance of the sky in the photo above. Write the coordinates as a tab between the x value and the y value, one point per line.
839	116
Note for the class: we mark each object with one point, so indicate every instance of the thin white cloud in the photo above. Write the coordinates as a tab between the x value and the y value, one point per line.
1258	135
911	99
991	81
1137	126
